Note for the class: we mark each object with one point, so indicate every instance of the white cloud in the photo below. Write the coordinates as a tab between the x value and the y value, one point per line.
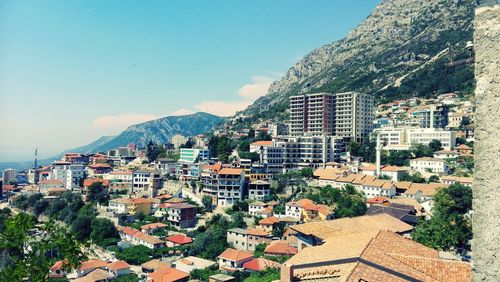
249	92
258	87
182	112
122	121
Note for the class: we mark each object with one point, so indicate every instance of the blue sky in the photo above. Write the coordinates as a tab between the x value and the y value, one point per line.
72	71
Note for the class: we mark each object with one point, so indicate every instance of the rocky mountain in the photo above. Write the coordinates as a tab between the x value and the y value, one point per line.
158	131
161	130
400	50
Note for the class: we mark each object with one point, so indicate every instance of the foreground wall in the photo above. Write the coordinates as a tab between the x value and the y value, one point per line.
486	217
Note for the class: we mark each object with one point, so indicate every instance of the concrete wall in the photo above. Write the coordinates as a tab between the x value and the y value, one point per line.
486	187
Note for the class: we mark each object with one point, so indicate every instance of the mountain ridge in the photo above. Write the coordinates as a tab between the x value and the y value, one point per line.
158	131
397	38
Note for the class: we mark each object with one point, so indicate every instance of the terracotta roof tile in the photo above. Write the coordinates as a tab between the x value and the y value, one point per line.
179	239
235	255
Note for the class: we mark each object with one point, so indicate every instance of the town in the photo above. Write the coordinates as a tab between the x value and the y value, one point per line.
343	189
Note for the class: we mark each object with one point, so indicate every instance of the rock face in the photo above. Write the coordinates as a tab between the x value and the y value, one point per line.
398	38
486	189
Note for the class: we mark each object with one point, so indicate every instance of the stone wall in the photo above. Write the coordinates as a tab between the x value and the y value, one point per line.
486	188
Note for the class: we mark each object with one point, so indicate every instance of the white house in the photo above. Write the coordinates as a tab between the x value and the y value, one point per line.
429	164
256	207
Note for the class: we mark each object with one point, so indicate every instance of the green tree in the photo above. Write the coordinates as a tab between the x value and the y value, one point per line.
132	277
98	194
435	145
136	255
238	220
207	203
104	232
263	136
28	258
434	178
449	228
306	172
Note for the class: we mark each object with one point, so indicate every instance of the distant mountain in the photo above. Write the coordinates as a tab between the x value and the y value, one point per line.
158	131
161	130
399	51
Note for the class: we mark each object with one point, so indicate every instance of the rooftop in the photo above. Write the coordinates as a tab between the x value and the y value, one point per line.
235	255
360	224
380	251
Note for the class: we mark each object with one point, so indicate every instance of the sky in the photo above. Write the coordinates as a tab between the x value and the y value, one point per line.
73	71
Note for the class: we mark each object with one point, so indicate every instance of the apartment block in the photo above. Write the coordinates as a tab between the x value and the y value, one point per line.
347	115
230	186
401	138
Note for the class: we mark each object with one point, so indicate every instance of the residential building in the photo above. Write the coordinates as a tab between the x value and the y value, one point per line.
467	181
136	237
426	164
230	186
146	183
295	209
153	265
168	274
267	224
232	259
405	213
260	264
221	278
247	239
119	268
44	185
368	255
153	227
181	215
309	151
131	206
259	190
401	138
345	115
434	116
280	248
178	240
98	169
191	263
209	181
193	155
9	176
423	192
315	233
254	208
394	172
426	135
446	154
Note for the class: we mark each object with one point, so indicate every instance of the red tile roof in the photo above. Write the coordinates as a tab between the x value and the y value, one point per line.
235	255
231	171
269	221
179	239
260	264
280	248
262	143
93	263
59	265
168	274
121	264
377	200
89	181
